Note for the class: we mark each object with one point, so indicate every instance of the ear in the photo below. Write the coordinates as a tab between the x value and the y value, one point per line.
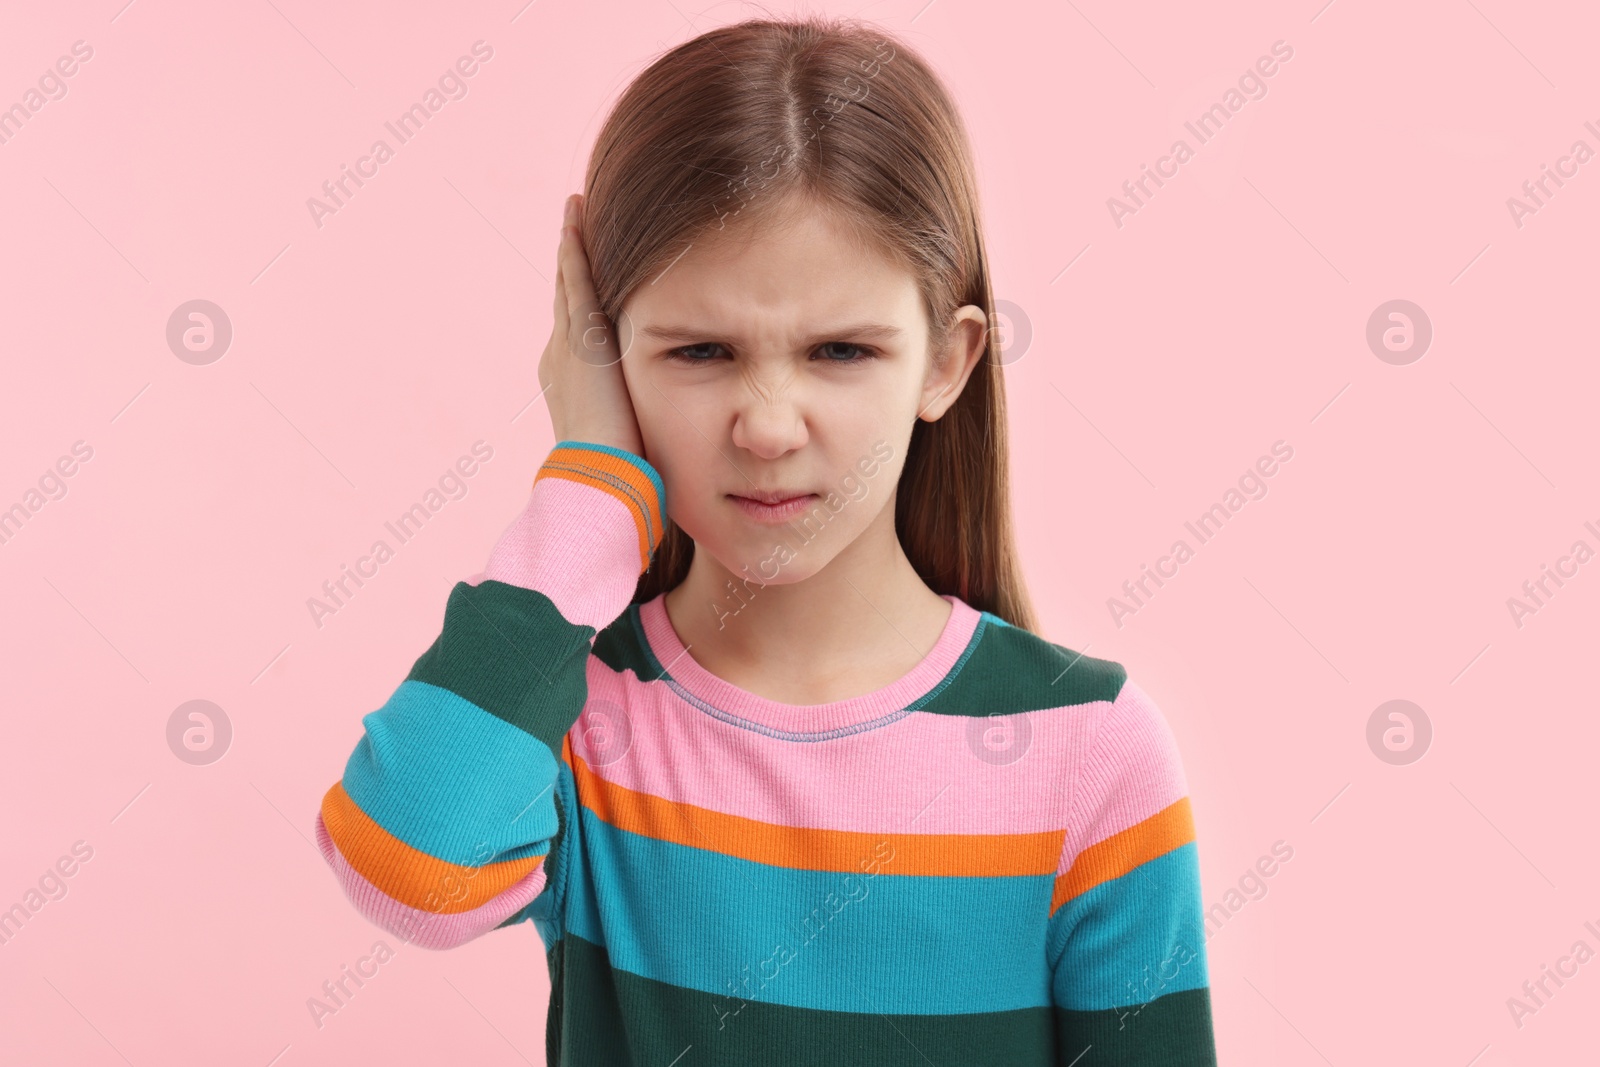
969	342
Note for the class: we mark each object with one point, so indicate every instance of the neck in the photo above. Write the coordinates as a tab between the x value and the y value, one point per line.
862	621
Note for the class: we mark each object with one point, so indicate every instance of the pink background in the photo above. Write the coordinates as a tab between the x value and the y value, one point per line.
1228	313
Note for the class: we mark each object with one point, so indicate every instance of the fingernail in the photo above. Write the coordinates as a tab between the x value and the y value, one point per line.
568	211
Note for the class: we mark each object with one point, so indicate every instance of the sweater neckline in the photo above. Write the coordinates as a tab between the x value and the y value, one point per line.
674	665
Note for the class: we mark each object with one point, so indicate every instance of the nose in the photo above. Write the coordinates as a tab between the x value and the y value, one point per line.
769	418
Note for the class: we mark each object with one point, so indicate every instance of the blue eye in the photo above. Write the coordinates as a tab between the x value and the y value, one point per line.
679	353
865	353
852	353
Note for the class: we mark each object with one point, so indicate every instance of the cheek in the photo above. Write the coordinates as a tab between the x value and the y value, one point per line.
691	469
660	424
688	479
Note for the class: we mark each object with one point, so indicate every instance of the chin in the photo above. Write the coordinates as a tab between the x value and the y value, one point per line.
762	559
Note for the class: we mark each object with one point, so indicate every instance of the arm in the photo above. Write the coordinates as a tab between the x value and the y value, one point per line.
1126	935
441	828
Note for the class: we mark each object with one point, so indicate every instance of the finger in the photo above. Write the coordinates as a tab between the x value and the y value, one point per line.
588	329
558	311
575	265
601	324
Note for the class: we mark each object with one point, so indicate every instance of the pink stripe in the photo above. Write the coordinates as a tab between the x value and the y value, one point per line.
1133	771
807	718
920	774
576	544
423	928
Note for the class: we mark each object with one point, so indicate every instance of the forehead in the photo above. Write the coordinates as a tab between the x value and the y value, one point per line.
795	271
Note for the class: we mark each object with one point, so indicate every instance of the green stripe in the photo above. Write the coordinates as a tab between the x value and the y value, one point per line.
511	652
1173	1030
616	1018
1013	670
618	647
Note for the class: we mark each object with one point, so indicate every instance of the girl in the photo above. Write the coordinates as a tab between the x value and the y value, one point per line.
746	712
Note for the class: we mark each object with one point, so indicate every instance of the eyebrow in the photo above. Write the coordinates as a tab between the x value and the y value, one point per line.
687	334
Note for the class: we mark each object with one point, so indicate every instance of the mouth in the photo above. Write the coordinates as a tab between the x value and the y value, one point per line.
774	506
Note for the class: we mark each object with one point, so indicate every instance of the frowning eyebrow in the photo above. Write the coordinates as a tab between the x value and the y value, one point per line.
867	331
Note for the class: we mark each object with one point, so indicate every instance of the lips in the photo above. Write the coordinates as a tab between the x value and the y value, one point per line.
772	496
773	507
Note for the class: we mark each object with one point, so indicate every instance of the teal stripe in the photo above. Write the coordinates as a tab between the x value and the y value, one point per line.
449	779
1134	938
914	944
544	911
632	457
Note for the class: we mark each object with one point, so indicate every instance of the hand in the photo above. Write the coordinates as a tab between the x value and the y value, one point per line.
581	369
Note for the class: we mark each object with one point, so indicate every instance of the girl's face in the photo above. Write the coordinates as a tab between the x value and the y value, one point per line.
794	360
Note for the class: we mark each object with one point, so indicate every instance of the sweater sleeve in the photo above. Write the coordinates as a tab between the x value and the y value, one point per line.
441	827
1126	934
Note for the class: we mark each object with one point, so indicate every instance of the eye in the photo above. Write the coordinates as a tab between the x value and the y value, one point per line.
863	355
682	355
833	352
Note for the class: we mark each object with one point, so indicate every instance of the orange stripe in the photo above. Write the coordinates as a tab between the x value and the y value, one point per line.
560	462
1167	829
409	875
972	855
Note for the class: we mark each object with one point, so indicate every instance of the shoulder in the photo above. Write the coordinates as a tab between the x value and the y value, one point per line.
1134	731
1009	670
1130	775
1115	739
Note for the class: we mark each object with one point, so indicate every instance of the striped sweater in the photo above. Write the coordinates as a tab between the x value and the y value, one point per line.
988	861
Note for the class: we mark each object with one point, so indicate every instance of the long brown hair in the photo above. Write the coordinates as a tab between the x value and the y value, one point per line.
744	122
